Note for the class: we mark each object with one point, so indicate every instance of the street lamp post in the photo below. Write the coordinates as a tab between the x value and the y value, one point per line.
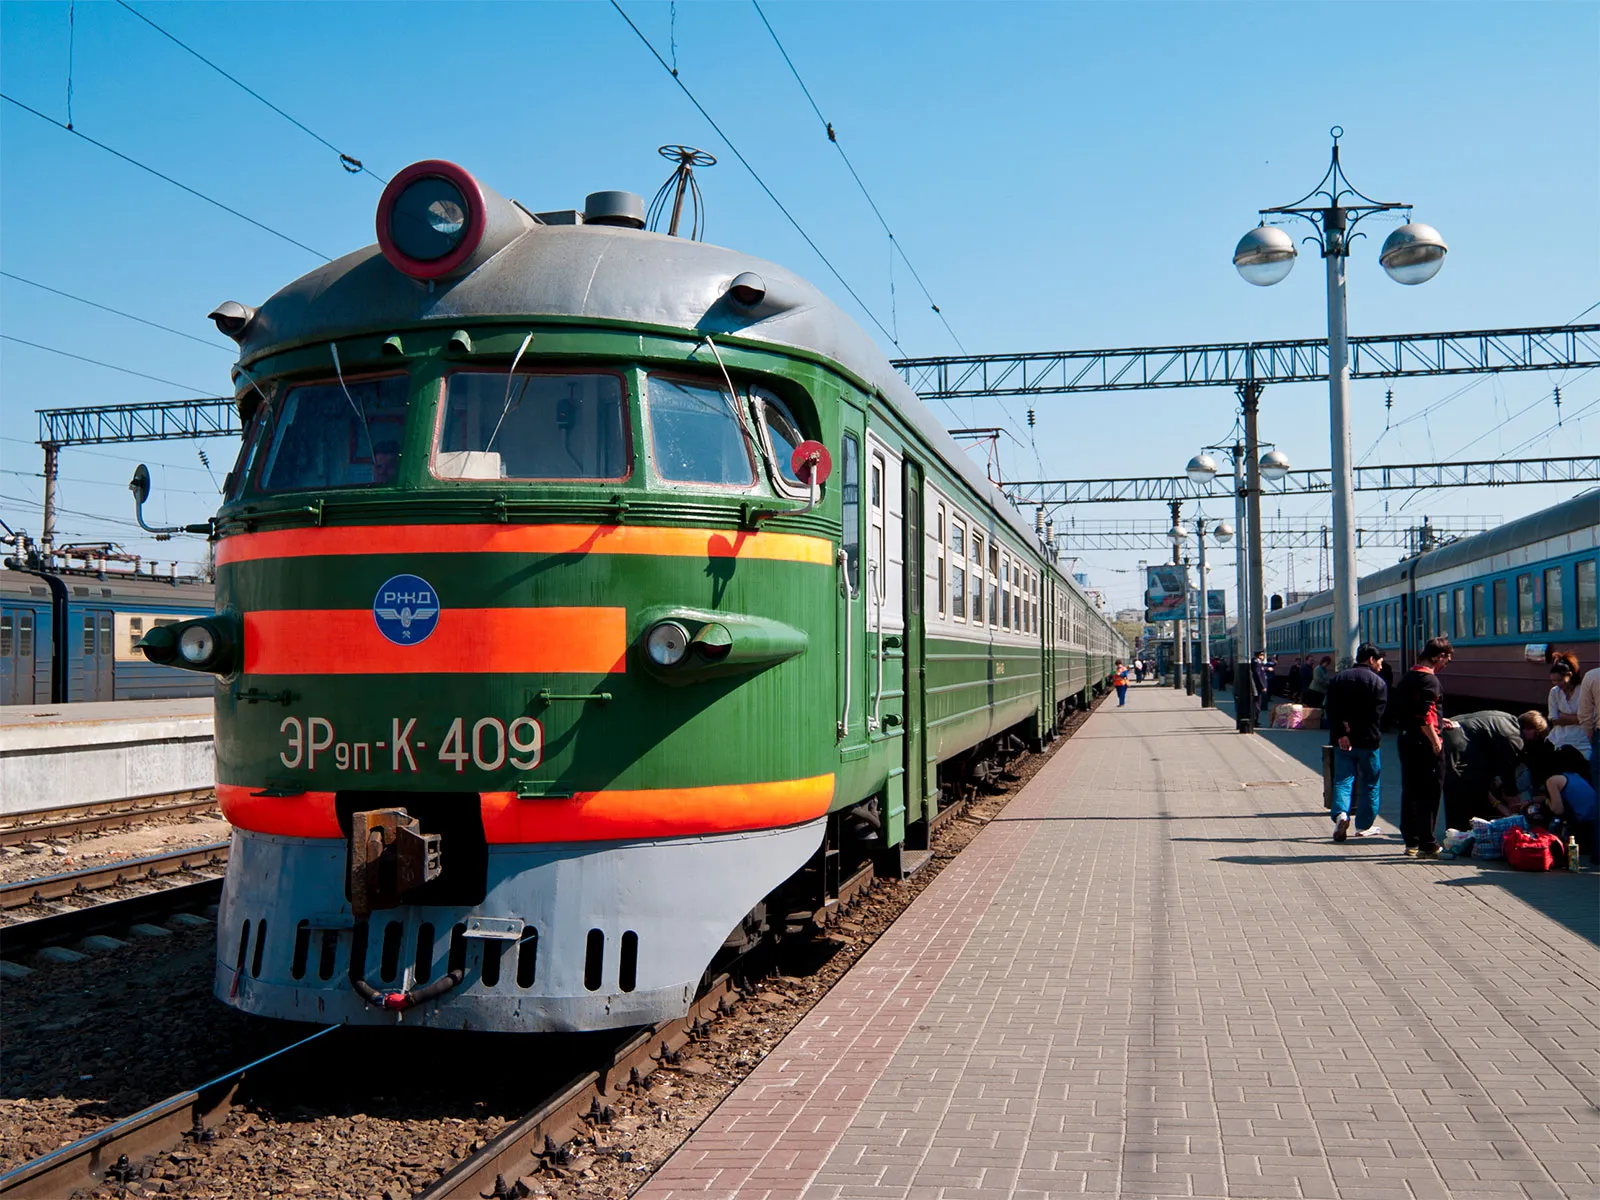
1179	636
1411	254
1273	466
1223	532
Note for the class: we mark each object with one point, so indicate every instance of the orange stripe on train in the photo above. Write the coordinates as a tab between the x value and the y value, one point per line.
466	641
601	816
523	539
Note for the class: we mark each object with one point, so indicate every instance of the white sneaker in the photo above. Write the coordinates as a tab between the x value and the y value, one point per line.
1372	830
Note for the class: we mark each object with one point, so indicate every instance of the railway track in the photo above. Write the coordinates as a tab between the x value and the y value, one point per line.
540	1136
50	824
22	936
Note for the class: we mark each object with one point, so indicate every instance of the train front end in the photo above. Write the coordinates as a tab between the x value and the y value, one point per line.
524	621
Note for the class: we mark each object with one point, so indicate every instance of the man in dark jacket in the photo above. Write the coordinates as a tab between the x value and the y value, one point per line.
1418	710
1261	685
1354	712
1481	750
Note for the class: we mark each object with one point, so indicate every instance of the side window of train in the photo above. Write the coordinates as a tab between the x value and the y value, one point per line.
781	433
1502	608
938	537
536	426
696	436
976	572
1588	603
850	510
25	635
248	448
1525	609
5	635
1554	612
332	436
1480	612
958	572
994	585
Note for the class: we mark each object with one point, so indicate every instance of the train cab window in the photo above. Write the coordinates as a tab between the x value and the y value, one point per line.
1480	611
958	573
329	435
1554	614
1588	604
1525	610
531	426
781	432
1502	608
977	579
696	436
248	449
850	510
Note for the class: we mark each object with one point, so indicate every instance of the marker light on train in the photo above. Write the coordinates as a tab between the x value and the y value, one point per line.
667	644
197	645
204	644
431	218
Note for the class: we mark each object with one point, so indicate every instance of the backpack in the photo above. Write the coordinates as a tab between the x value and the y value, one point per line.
1539	850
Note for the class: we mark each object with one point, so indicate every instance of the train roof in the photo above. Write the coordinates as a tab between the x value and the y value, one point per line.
604	273
1580	512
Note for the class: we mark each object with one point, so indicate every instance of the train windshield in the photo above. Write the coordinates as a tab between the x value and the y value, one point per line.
330	435
530	426
783	435
695	435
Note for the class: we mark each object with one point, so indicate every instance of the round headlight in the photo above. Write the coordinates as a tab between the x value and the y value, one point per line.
197	644
667	644
429	219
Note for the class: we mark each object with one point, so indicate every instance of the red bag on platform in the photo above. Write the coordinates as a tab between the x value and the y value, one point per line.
1536	851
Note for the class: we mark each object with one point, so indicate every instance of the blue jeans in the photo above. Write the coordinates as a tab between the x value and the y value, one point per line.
1347	764
1122	694
1594	760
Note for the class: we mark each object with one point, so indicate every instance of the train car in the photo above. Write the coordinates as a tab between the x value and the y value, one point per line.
1507	599
69	635
548	660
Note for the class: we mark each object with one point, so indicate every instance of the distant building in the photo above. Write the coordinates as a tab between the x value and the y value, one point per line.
1130	615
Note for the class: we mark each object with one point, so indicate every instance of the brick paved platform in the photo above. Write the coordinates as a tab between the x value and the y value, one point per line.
1155	975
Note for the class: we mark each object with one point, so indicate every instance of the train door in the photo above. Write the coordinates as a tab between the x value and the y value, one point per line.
883	480
852	670
919	776
97	657
10	668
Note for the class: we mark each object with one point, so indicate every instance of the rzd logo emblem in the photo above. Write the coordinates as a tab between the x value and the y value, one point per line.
406	609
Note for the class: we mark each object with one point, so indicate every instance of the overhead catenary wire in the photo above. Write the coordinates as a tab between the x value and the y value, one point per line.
109	366
833	139
754	174
350	163
78	133
44	287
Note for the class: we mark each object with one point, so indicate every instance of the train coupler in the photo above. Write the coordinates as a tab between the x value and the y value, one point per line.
390	857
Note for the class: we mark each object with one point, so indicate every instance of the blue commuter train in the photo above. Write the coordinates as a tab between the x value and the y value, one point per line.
68	635
1507	599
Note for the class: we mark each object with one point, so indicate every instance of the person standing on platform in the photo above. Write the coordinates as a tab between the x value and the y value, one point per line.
1119	679
1566	726
1589	721
1318	691
1261	680
1356	702
1296	673
1419	717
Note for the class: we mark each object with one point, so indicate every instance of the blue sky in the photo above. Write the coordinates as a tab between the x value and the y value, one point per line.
1061	175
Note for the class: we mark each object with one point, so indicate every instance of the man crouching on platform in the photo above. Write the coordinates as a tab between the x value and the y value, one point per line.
1354	715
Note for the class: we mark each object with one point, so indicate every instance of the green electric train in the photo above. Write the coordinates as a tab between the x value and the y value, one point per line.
581	591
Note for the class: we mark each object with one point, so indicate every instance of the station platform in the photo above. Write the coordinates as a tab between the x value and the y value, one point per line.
55	755
1155	974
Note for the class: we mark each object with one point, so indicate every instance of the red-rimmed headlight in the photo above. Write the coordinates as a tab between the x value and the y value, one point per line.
431	218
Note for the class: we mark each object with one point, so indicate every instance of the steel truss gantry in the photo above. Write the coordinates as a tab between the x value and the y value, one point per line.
1286	533
1231	364
164	420
1392	478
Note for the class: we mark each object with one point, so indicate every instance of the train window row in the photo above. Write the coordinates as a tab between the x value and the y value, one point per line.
977	582
535	426
1554	599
